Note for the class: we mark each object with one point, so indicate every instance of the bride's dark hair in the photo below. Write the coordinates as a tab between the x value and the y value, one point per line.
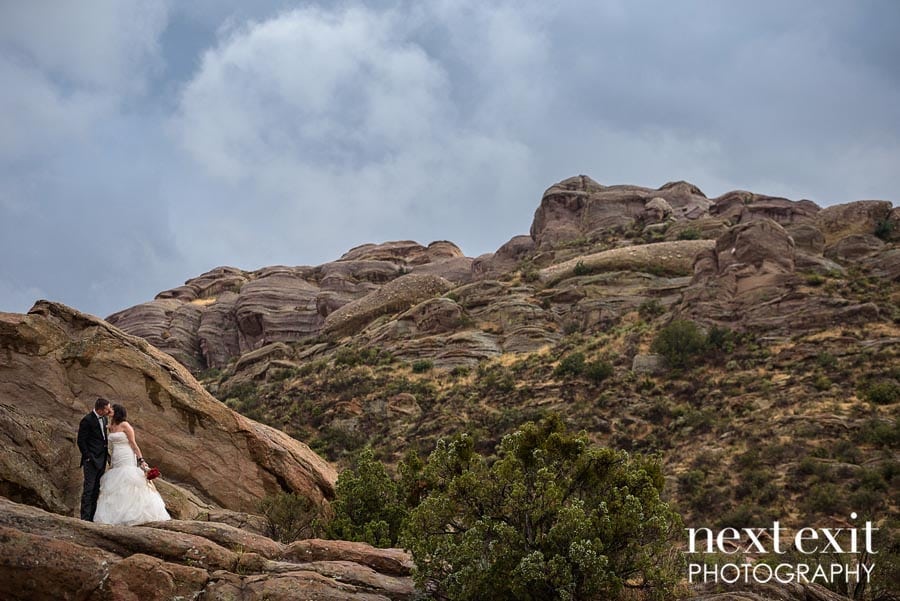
119	413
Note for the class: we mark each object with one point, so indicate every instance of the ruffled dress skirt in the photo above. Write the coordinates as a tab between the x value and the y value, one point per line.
126	496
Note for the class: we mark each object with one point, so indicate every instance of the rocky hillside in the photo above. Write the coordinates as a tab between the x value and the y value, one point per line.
742	259
794	414
790	410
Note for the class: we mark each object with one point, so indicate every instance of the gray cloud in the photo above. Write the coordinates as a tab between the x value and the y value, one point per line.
143	143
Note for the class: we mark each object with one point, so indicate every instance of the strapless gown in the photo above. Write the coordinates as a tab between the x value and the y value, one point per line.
126	496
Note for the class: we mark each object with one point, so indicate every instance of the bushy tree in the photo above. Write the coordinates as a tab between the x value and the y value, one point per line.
554	517
679	342
366	505
289	516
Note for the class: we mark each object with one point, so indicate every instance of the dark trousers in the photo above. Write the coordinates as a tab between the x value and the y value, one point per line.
91	492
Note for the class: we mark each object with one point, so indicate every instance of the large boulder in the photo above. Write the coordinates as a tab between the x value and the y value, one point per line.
396	296
749	281
280	305
663	257
56	361
747	264
859	217
854	247
506	258
580	208
740	206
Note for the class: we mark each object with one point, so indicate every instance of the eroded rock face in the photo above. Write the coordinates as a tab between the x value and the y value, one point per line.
227	312
168	560
859	217
169	324
56	361
579	207
398	295
666	257
740	206
749	280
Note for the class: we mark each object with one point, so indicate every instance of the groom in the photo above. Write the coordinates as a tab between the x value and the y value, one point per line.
92	444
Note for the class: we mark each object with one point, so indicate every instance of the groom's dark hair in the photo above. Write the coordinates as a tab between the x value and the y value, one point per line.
100	403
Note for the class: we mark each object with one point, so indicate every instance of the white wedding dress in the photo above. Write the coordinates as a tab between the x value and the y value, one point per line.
126	496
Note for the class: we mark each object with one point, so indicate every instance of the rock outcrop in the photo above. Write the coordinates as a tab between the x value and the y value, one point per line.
227	312
663	257
55	361
184	559
579	207
859	217
396	296
594	254
749	280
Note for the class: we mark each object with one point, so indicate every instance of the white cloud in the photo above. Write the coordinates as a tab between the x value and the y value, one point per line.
311	86
342	129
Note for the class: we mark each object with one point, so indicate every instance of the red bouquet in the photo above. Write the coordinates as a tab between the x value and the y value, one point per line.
153	473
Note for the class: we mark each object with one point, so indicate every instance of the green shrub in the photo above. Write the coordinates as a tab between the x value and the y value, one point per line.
495	378
529	272
721	339
690	233
581	269
680	342
822	383
884	228
823	498
572	364
814	279
880	433
289	516
554	517
597	371
826	360
366	504
884	392
650	308
353	356
420	366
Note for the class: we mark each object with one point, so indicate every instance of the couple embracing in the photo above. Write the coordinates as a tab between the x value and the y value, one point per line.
122	494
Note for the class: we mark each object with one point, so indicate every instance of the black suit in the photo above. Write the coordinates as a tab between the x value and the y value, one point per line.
92	444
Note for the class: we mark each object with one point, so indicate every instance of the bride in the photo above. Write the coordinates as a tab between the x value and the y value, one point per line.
126	496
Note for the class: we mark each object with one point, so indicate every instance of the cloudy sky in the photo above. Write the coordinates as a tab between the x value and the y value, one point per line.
143	142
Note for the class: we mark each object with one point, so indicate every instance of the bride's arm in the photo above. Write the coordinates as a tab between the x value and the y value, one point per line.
129	432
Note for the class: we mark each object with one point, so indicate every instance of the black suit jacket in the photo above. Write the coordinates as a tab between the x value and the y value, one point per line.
91	442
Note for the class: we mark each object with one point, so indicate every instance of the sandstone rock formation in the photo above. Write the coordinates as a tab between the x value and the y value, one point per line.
48	556
225	313
860	217
398	295
56	361
662	257
579	207
594	254
749	280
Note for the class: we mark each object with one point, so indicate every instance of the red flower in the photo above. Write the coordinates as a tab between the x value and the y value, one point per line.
153	473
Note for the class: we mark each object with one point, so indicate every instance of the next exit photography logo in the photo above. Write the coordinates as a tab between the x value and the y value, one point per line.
821	555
